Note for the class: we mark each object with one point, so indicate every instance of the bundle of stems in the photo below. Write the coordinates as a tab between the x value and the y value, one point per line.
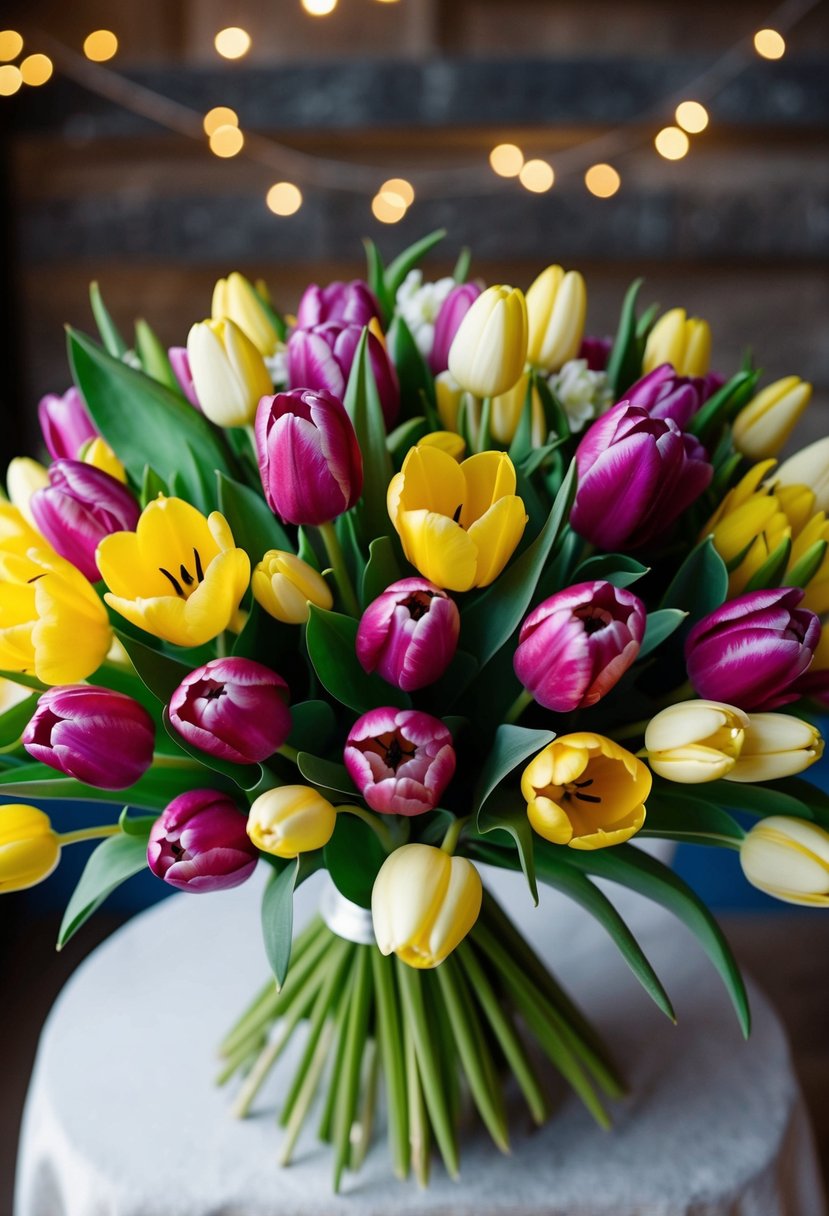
433	1036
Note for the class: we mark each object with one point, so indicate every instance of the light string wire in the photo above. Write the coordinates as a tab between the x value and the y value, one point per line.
355	178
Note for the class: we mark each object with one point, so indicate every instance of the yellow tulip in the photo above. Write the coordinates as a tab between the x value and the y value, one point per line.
459	523
423	904
29	848
285	586
235	299
23	477
763	426
682	341
775	746
229	374
488	352
816	593
585	791
178	576
17	535
556	309
695	741
445	441
98	453
52	624
290	820
808	467
789	859
507	410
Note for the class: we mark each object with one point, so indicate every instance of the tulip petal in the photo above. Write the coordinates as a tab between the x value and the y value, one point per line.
495	536
439	548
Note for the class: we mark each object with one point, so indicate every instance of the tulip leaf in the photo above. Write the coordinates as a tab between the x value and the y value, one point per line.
346	530
194	481
363	404
152	484
557	422
278	908
330	638
624	364
382	570
630	867
161	673
327	774
676	815
722	405
700	584
412	372
276	319
660	625
461	272
375	274
246	776
110	336
443	694
773	569
405	436
507	812
312	725
263	636
397	270
254	526
353	857
615	568
494	615
511	746
815	800
113	862
804	570
144	422
135	825
152	792
24	680
522	441
154	359
15	720
762	800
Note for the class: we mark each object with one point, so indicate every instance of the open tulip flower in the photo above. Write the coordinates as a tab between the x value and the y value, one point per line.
409	634
585	791
199	844
178	576
400	760
459	523
233	709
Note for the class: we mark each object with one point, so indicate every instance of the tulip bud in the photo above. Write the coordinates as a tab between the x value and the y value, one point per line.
321	359
423	904
576	645
100	455
309	458
344	303
290	820
95	735
199	843
696	741
490	347
235	299
229	375
180	363
595	351
682	341
508	409
65	423
24	477
775	746
79	507
29	848
452	311
808	467
762	427
664	394
753	649
234	709
409	634
556	308
788	859
285	586
401	760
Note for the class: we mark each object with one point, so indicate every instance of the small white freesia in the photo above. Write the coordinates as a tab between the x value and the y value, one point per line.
419	304
277	365
584	394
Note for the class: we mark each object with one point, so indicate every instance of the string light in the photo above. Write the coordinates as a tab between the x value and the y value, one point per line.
232	42
226	141
507	160
10	79
219	116
284	198
100	45
401	188
319	8
388	207
36	69
602	180
672	143
770	44
536	176
11	44
691	116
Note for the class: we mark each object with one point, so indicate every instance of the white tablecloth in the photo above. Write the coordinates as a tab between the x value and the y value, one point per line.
123	1119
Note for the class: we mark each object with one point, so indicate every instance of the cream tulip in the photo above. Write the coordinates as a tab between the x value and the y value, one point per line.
775	746
556	310
489	350
789	859
808	467
695	741
229	374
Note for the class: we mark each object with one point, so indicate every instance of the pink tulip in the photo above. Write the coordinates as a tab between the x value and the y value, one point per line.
452	311
664	394
81	505
180	363
346	303
65	423
596	351
234	709
200	843
321	357
401	760
409	634
577	644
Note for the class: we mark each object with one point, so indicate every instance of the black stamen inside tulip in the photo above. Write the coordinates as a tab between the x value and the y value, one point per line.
214	693
186	576
396	753
588	798
577	787
35	578
177	587
199	571
418	603
177	850
457	516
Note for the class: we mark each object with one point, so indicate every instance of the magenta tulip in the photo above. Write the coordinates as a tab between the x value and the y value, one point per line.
180	363
577	644
753	650
596	351
95	735
200	843
65	423
452	311
234	709
346	303
320	358
636	476
409	634
401	760
80	506
309	458
664	394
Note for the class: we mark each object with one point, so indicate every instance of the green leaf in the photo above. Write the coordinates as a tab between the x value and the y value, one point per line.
346	530
700	585
326	773
312	725
804	570
161	673
375	274
624	365
412	372
276	319
144	422
723	405
254	526
111	338
408	259
152	792
461	272
443	694
154	359
507	812
24	680
363	404
558	423
152	484
677	815
497	612
382	570
135	825
779	798
660	625
15	720
629	866
278	918
511	746
773	569
330	639
246	776
615	568
406	436
353	857
113	862
522	441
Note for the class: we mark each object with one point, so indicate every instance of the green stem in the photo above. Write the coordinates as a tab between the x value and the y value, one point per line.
163	761
109	829
381	831
453	832
629	730
356	1033
484	439
290	753
337	559
518	706
416	1117
391	1050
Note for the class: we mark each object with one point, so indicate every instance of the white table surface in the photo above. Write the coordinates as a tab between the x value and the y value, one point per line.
122	1117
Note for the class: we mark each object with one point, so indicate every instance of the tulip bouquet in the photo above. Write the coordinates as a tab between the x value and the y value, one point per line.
420	580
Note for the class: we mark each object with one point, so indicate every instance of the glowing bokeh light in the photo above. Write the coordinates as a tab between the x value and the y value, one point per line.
536	176
10	79
219	116
507	160
11	44
319	8
36	69
284	198
226	141
388	207
602	180
100	45
399	186
232	42
691	116
672	143
770	44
